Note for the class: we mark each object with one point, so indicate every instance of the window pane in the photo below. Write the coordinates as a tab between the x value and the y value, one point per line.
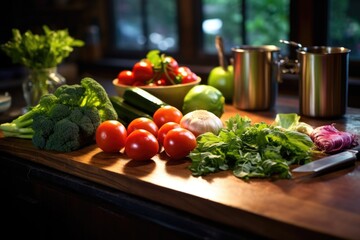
261	22
267	21
145	25
224	18
128	31
344	25
162	25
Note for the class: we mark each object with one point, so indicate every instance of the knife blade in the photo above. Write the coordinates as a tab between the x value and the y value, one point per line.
330	162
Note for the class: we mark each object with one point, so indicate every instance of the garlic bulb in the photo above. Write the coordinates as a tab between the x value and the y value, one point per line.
201	121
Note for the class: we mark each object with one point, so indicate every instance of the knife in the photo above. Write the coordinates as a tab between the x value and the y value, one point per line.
331	162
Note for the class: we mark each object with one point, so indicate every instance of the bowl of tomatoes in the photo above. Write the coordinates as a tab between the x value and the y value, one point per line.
159	75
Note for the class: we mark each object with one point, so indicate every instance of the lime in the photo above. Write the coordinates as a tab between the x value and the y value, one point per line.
204	97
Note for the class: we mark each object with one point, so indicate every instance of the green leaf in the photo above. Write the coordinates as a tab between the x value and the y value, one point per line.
40	51
250	150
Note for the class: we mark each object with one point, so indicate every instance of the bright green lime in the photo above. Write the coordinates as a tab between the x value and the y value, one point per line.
204	97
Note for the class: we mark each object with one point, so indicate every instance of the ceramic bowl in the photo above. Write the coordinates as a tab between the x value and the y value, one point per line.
170	94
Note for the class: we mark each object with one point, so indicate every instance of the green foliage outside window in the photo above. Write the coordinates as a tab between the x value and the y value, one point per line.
266	21
344	25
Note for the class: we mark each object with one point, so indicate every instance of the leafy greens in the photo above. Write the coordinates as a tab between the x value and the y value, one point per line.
40	51
250	150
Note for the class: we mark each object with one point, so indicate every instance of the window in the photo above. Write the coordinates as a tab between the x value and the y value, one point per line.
344	26
251	22
187	28
141	25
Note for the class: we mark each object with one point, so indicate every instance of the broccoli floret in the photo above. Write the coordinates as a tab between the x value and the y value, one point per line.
70	94
96	96
21	127
43	127
59	111
75	130
65	120
65	137
87	119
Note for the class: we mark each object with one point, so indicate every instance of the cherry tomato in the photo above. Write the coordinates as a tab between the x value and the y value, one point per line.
184	70
164	129
171	64
192	77
187	75
141	145
143	71
161	82
126	77
179	142
166	114
111	136
143	123
171	69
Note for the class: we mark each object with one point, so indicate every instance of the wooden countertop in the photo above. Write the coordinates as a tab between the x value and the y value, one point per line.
304	206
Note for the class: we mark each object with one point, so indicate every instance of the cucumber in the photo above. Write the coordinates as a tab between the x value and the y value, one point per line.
142	100
126	113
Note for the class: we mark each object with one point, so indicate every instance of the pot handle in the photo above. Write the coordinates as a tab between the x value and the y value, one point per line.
286	65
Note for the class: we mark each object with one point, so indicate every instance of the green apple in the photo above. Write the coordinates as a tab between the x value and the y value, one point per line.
223	81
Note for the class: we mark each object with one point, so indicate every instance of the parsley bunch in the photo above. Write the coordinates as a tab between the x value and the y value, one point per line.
250	150
40	51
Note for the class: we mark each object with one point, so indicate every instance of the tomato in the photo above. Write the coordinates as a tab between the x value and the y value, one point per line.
164	129
192	77
126	77
143	71
171	69
141	145
167	114
111	136
171	64
161	82
179	142
187	75
143	123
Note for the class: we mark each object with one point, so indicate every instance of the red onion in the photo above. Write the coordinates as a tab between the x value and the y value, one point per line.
329	139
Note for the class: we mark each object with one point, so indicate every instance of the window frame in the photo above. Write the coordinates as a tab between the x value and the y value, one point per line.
308	26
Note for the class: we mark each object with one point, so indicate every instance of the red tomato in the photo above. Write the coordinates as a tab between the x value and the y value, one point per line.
164	129
161	82
187	75
184	70
141	145
192	77
143	123
143	71
111	136
171	64
126	77
167	114
179	142
171	69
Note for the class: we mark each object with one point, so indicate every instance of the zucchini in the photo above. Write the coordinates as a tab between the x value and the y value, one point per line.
126	113
142	100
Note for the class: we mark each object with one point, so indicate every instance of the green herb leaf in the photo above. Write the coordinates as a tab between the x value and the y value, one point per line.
40	51
250	150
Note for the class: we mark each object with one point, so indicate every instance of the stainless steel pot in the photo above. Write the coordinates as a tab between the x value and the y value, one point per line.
323	74
256	76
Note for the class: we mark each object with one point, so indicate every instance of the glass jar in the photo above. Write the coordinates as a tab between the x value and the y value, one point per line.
40	82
